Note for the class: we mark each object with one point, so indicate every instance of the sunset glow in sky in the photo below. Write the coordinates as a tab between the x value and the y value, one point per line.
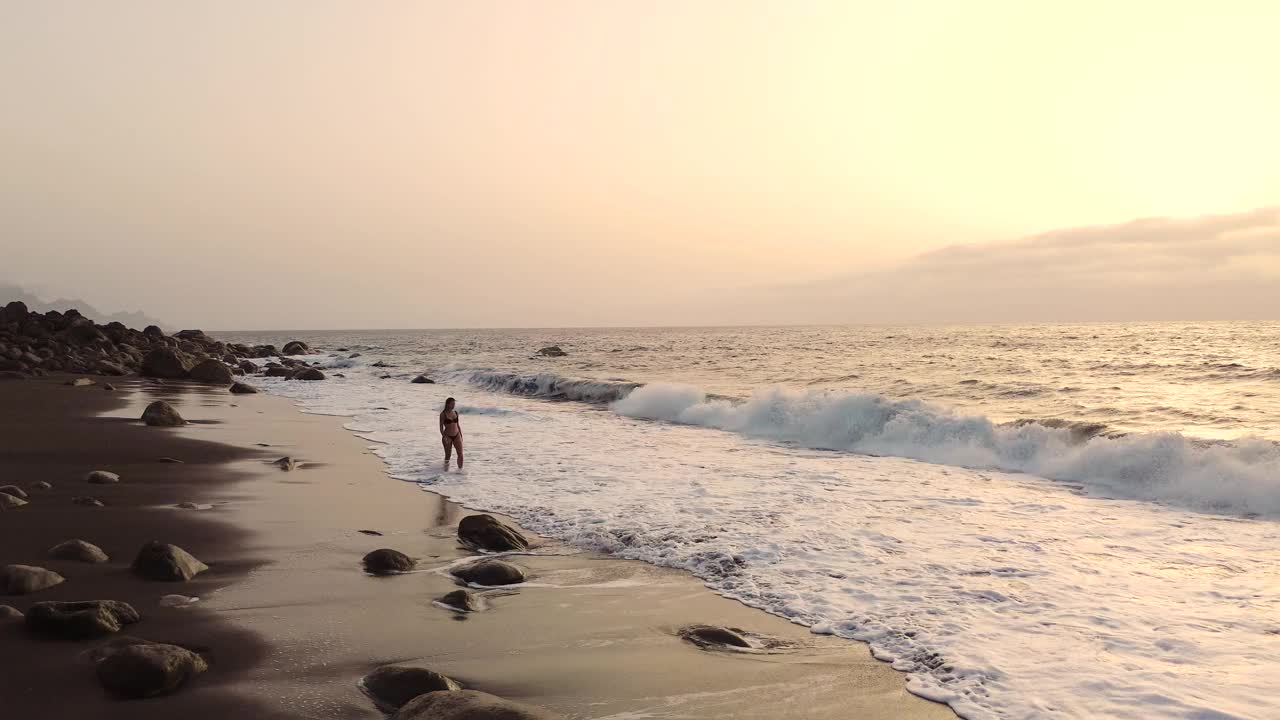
417	164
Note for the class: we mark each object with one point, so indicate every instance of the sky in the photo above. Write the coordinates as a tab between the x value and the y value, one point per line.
322	164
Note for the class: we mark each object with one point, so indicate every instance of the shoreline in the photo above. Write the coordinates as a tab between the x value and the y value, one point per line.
588	636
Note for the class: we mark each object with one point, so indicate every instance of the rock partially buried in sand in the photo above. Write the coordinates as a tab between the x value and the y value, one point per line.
101	477
386	561
78	551
552	351
146	669
463	601
41	485
307	374
26	579
285	463
712	636
485	532
108	386
423	380
391	686
87	501
174	461
9	502
490	572
467	705
9	612
80	382
15	491
77	620
211	371
239	388
169	563
162	414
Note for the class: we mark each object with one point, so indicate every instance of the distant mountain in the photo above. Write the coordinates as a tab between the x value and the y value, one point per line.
136	320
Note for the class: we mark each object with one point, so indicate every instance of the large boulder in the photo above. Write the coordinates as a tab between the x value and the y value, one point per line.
239	388
26	579
308	374
295	347
164	562
467	705
146	669
490	572
15	311
423	380
162	414
283	372
385	561
211	371
391	686
79	551
485	532
78	620
165	363
249	367
552	351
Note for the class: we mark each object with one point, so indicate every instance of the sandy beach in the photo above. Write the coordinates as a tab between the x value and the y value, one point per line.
289	622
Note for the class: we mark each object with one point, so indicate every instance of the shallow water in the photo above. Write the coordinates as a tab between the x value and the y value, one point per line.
1139	581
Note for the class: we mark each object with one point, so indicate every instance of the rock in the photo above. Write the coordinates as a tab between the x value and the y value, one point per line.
41	485
147	669
79	551
386	561
106	367
165	363
192	506
463	600
89	501
14	490
78	620
353	356
9	502
15	311
108	386
26	579
239	388
249	367
391	686
552	351
490	572
172	461
162	414
279	372
101	477
308	374
178	600
382	364
710	635
423	380
211	371
8	612
485	532
467	705
285	463
163	562
79	382
370	532
152	331
295	347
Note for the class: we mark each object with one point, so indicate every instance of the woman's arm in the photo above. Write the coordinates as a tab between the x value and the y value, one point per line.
441	419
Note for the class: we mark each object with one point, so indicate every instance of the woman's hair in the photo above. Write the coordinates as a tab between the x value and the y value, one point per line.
449	402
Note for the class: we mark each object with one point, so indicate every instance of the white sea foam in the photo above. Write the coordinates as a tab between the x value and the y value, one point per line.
1003	595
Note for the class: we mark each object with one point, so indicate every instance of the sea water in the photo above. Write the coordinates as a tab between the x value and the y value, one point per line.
1030	521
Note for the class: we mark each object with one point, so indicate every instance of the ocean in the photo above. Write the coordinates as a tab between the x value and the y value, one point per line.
1030	521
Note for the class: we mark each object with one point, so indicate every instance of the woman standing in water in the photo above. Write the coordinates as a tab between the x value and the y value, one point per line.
450	432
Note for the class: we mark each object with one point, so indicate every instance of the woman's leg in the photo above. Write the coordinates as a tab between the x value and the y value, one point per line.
448	449
457	442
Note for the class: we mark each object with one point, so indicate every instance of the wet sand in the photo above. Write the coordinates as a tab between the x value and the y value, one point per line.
290	622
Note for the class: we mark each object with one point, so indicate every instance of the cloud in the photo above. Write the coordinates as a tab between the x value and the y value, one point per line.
1201	268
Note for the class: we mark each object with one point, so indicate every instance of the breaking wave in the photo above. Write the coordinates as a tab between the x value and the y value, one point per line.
1239	477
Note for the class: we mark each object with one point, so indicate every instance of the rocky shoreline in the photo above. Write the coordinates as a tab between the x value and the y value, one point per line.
158	558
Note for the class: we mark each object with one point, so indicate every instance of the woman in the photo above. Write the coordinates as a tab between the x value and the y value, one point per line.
450	432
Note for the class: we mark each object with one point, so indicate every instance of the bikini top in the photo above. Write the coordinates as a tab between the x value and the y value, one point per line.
453	421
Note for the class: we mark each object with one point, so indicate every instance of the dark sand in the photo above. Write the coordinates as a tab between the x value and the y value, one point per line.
289	622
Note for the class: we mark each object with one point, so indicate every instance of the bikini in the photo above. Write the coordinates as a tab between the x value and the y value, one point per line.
454	422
